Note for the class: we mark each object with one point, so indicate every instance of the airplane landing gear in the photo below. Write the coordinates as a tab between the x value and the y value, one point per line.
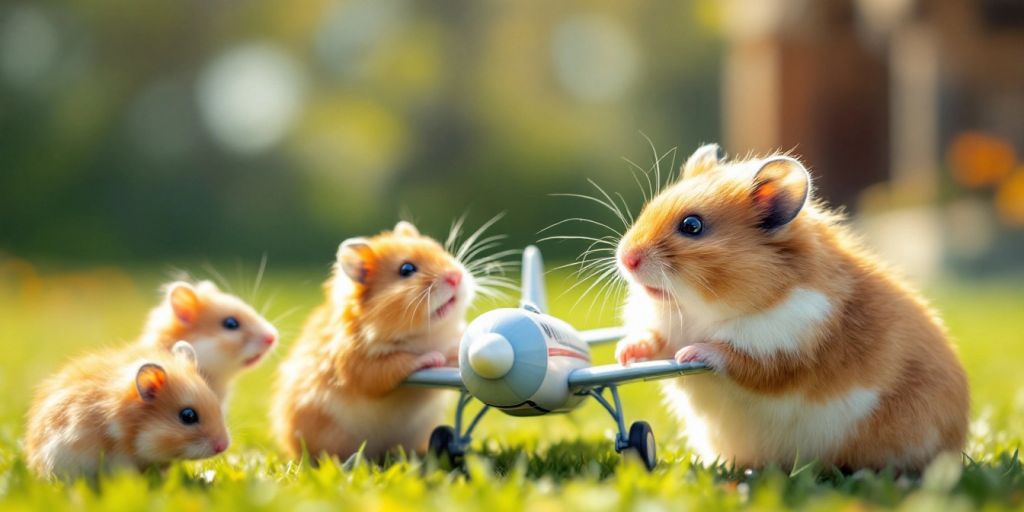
639	441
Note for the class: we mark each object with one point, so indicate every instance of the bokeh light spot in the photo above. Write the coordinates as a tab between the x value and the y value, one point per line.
595	58
1010	199
979	160
250	96
29	45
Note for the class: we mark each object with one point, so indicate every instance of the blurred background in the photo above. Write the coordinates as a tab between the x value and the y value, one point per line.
140	131
136	137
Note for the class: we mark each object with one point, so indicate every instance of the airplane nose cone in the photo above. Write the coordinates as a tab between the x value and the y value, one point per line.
491	356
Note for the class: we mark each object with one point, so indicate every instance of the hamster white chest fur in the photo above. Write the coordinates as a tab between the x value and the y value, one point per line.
818	352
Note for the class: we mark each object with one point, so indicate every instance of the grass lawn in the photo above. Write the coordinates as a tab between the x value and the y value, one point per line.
556	462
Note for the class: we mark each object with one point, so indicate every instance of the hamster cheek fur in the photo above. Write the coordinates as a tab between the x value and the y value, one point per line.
163	436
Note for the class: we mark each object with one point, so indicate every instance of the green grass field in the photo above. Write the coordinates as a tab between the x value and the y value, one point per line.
557	462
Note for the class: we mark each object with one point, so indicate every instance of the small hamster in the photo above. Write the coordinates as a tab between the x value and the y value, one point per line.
817	350
395	304
132	407
228	335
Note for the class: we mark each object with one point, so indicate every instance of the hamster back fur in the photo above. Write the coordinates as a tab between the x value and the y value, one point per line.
818	351
131	407
395	304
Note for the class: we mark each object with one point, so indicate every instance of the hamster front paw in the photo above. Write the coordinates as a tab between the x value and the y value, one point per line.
705	353
431	360
452	359
638	347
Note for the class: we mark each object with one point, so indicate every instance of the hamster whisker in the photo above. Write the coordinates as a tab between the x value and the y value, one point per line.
612	208
492	258
259	276
494	266
468	243
423	295
490	270
611	202
596	263
602	293
483	246
591	251
590	270
281	316
563	266
179	274
426	305
607	240
606	274
657	161
675	172
581	219
267	304
495	293
592	257
495	282
598	270
666	284
625	207
648	193
217	276
454	232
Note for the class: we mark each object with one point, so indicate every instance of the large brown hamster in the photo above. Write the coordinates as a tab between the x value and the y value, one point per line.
818	351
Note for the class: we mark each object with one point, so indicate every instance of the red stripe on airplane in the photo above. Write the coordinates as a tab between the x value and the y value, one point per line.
554	352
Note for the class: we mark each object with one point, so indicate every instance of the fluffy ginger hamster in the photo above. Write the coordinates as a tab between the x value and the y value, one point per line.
132	407
817	350
227	334
395	304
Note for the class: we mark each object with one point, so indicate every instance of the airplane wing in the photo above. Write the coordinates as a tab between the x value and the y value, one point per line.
596	376
447	377
605	335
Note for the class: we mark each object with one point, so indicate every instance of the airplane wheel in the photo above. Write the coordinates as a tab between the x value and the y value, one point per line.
641	443
443	447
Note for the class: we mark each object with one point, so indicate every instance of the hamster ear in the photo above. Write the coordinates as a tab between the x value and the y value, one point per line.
354	258
184	351
150	379
405	228
184	301
701	161
781	187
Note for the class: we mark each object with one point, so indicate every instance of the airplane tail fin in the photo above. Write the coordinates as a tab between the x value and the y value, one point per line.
533	280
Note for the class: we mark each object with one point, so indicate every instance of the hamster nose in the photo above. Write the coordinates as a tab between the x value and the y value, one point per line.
269	339
632	259
220	445
453	278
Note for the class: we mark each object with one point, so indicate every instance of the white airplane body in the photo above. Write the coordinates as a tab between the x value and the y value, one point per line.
528	363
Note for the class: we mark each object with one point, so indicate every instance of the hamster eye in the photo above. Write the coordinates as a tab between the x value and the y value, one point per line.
230	323
691	225
407	269
188	416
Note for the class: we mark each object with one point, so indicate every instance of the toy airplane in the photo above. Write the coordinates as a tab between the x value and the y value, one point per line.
525	362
